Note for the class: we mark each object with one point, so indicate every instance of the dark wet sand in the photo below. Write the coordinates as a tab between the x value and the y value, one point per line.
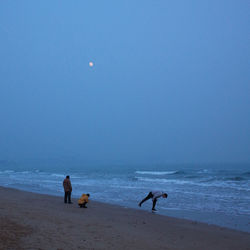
35	221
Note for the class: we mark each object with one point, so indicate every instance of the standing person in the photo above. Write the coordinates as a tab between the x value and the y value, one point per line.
154	195
67	190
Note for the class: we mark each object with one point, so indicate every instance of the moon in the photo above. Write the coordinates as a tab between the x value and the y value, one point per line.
91	64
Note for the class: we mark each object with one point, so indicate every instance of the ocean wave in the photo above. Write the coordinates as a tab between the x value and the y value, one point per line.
8	171
58	175
202	171
160	172
25	172
210	184
164	180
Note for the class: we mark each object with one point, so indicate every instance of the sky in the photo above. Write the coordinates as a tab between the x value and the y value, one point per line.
170	81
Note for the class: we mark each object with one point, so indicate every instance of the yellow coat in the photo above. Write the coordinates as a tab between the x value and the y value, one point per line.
83	199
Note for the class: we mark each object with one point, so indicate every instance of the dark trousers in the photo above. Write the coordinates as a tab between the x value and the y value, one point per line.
83	205
67	196
149	196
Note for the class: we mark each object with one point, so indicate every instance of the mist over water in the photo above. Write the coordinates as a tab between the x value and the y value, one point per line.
169	81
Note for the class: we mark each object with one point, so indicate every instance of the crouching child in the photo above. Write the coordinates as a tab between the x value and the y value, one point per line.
84	199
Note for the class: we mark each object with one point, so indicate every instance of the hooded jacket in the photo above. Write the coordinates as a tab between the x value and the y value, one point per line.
83	199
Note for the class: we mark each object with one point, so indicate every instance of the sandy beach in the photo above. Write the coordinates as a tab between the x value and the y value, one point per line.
35	221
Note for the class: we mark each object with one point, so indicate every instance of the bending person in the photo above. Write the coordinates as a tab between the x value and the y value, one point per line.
154	195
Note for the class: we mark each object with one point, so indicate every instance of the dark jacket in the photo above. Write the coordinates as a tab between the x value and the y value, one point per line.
67	185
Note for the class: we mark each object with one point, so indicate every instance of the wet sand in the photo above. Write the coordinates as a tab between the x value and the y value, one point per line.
35	221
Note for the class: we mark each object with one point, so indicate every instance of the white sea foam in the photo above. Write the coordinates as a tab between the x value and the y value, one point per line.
8	171
217	184
174	181
58	175
156	172
25	172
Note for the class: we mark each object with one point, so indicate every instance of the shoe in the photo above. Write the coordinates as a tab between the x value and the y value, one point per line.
153	209
139	204
70	202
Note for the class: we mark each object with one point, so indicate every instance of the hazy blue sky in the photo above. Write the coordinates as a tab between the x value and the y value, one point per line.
170	81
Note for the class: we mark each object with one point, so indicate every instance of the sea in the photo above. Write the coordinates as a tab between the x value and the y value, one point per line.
212	193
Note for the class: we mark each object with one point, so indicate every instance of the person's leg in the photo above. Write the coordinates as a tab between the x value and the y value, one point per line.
154	203
69	197
84	204
65	197
150	195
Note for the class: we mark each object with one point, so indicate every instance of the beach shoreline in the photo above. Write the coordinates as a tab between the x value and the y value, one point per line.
38	221
205	195
239	223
